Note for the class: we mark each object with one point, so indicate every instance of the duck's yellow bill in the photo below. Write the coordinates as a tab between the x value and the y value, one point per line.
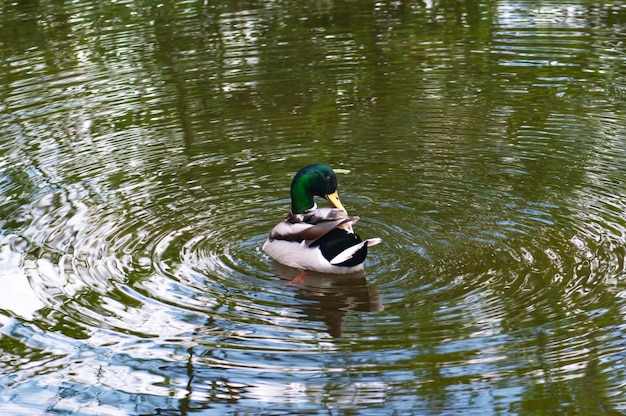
333	199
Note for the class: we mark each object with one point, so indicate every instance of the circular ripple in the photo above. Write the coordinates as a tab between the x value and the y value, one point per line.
500	279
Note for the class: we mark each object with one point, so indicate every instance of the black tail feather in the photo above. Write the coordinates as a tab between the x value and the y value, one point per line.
337	241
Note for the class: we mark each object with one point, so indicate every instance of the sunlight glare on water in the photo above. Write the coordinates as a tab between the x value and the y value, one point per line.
147	150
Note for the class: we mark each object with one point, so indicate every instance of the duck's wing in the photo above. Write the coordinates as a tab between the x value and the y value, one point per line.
312	224
302	231
317	215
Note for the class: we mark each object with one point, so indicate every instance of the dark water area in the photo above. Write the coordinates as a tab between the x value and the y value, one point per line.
146	150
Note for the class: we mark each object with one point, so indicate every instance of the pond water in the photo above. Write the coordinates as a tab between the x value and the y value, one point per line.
147	149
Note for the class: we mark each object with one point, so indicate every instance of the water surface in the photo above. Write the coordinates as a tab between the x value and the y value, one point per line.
147	149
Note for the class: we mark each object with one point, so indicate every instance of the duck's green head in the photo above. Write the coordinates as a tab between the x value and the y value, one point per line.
314	180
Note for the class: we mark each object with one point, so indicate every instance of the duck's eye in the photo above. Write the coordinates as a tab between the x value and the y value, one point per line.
328	178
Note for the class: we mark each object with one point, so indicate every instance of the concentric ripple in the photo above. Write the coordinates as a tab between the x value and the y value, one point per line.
147	149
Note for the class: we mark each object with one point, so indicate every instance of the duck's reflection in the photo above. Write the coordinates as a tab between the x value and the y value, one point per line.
333	296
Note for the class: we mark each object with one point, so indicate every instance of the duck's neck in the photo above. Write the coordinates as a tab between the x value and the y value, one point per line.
301	197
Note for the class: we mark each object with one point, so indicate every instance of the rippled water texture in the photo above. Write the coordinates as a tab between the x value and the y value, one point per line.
147	149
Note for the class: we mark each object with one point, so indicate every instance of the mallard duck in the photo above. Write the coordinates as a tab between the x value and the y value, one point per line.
317	239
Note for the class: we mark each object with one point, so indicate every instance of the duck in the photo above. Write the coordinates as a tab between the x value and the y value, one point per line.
317	239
